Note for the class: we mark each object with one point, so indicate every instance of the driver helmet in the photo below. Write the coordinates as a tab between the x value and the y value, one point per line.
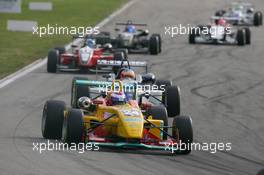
117	98
221	22
90	43
127	74
130	29
250	10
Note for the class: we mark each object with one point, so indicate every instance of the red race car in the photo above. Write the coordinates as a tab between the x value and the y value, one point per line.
81	58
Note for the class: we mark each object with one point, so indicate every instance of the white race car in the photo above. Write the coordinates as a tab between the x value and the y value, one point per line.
219	34
240	14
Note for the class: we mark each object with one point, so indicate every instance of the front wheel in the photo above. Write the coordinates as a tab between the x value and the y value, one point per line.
160	113
192	36
160	41
73	126
247	35
241	39
182	130
154	45
52	119
53	57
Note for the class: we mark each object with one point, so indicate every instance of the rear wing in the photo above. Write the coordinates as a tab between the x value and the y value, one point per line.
225	17
129	22
134	24
117	63
120	63
102	86
246	4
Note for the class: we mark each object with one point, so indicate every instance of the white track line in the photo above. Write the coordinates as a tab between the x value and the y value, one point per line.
41	62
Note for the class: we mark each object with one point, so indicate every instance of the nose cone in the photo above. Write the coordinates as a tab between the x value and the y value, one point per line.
130	124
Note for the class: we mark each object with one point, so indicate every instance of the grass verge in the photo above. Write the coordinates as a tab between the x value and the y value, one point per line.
18	49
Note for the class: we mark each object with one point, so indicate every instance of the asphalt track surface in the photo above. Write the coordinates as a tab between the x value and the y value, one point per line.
222	89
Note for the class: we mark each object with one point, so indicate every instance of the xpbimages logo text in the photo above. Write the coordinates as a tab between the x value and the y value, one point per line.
212	147
42	147
174	30
56	29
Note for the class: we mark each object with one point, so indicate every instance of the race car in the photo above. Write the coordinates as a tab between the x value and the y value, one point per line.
167	93
241	14
220	32
113	120
82	58
136	40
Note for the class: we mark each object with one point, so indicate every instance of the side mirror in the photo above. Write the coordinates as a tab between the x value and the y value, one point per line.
146	32
147	95
117	29
108	46
84	102
148	78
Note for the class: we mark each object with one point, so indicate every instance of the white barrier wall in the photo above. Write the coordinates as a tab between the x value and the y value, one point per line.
10	6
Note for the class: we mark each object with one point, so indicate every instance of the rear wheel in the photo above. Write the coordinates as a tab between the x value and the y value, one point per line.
182	130
78	91
160	113
173	101
241	39
258	19
52	119
53	58
162	84
73	126
154	46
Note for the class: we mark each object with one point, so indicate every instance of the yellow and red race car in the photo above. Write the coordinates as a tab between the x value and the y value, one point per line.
114	119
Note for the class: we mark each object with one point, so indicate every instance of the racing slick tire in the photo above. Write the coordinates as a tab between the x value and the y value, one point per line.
160	113
182	130
166	83
52	119
154	46
52	61
241	37
258	18
61	50
118	56
78	91
162	84
192	36
173	100
72	130
248	35
160	41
